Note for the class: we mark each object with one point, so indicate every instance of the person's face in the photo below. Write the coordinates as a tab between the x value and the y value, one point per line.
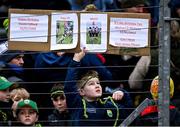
137	9
60	103
92	90
27	116
17	60
4	95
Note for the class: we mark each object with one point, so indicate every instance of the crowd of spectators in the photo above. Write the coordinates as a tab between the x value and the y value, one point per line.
66	89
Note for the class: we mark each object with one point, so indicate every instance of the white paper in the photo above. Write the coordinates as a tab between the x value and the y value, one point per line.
64	31
28	27
129	32
3	47
93	32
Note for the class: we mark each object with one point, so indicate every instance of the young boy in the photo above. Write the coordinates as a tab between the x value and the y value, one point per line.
60	115
83	99
27	113
5	106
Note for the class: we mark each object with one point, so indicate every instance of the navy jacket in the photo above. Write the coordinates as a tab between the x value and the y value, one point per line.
58	119
6	116
56	66
98	113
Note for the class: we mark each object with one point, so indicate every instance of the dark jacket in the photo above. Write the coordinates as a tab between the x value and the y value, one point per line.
18	124
11	70
5	114
149	117
55	66
98	113
58	119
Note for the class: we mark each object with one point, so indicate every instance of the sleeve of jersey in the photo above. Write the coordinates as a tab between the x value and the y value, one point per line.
70	89
126	101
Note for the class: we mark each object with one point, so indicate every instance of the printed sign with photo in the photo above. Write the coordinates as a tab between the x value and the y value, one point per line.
64	31
93	31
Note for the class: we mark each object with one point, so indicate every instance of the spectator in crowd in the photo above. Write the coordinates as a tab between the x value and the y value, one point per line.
12	64
5	105
13	57
83	98
102	5
27	113
149	117
60	115
55	66
17	95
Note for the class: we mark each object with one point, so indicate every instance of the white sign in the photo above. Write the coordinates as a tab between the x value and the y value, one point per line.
28	27
129	32
64	31
93	32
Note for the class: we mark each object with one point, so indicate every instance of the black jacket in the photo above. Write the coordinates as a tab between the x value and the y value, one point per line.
5	114
58	119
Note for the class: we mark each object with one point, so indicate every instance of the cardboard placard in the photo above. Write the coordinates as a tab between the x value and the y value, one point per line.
42	24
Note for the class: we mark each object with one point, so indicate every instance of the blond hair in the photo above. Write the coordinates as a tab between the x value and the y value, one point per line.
21	93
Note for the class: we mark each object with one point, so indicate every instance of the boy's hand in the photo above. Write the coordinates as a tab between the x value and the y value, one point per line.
60	53
78	56
118	95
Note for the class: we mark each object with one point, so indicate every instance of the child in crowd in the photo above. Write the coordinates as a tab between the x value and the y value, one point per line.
27	113
60	115
5	113
149	117
17	95
83	98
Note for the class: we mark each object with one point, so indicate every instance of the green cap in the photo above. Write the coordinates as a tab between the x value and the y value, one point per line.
4	83
29	103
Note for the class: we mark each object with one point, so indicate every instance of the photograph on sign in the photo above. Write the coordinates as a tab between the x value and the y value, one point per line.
93	32
28	27
64	31
129	32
